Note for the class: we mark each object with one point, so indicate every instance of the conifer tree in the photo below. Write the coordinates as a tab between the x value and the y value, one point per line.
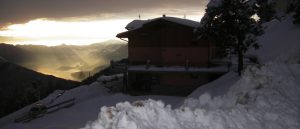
231	24
265	10
297	11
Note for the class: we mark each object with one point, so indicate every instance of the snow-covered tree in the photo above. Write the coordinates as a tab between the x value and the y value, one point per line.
231	23
265	10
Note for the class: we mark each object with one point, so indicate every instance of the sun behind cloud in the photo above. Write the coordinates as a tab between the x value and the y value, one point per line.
79	30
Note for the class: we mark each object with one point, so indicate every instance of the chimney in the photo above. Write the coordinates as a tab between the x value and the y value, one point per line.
164	15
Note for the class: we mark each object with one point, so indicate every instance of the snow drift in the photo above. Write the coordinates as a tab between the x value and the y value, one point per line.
265	97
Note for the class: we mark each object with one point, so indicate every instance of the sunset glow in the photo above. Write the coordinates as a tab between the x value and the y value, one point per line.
54	32
81	22
50	33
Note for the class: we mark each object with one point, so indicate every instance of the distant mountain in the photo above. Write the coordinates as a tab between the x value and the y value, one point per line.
20	86
65	61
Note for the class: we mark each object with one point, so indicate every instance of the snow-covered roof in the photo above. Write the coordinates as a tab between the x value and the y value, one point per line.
135	24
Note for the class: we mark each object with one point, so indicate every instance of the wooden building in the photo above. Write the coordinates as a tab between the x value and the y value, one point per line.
164	52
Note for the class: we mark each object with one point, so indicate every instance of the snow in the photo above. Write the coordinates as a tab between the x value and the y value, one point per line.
136	24
217	87
110	78
280	39
88	101
263	98
182	21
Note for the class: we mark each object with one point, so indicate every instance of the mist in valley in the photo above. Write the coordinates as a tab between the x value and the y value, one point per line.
65	61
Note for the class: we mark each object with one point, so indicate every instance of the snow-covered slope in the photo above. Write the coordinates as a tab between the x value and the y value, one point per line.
18	86
88	101
281	40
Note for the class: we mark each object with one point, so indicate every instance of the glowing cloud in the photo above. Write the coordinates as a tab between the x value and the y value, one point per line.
48	32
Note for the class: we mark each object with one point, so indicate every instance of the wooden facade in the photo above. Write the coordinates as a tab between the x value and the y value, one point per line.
167	42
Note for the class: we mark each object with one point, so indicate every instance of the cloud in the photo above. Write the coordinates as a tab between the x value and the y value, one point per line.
19	11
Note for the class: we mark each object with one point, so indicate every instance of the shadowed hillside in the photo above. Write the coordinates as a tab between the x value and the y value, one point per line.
20	86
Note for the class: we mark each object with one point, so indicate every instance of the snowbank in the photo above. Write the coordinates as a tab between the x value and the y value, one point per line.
88	101
218	87
264	98
281	40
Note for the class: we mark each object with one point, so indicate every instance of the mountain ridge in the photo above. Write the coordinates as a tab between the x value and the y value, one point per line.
67	61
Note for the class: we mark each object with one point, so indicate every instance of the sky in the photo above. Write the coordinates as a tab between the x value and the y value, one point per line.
80	22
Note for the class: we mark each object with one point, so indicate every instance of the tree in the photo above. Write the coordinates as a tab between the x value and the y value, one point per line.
231	23
297	11
265	10
294	7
